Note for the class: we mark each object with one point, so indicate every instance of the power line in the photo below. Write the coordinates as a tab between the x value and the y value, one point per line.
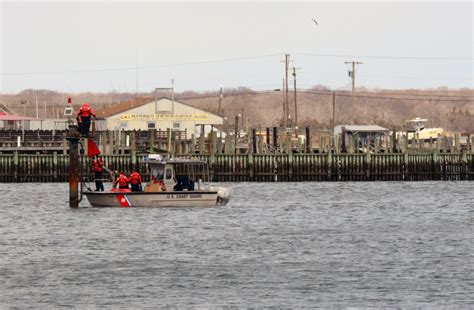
329	93
141	67
415	95
384	57
460	97
326	93
228	60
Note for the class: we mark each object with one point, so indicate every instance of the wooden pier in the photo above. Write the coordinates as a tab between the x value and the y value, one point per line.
262	156
261	167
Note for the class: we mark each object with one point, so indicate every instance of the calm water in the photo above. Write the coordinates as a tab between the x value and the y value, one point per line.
288	245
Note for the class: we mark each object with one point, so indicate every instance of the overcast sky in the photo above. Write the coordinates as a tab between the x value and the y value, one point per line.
98	46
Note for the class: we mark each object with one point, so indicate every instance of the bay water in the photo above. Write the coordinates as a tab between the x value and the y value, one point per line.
289	245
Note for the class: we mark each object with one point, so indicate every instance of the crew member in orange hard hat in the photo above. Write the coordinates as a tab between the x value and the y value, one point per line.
136	181
84	119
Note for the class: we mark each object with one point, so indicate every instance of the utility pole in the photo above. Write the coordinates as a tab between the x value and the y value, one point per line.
287	62
294	91
23	103
352	74
220	100
36	99
136	78
333	110
172	96
284	106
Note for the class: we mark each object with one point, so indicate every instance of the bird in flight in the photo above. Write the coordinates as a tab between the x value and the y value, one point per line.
315	22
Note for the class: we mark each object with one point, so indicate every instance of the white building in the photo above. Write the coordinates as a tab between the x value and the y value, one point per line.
150	113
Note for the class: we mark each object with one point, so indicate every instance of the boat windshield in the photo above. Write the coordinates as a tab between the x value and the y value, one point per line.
180	174
415	125
158	172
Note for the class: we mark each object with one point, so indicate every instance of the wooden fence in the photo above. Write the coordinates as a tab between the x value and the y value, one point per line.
289	167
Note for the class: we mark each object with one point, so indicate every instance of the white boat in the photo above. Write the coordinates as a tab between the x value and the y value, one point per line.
175	182
416	130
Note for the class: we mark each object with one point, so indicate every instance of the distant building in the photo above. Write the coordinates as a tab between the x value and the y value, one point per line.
367	134
9	120
13	121
148	113
362	130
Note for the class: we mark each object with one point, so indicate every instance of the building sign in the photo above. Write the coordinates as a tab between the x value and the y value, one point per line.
164	117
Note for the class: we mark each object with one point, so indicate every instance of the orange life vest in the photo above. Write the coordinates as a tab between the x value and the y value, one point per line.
122	180
97	165
161	184
135	178
85	111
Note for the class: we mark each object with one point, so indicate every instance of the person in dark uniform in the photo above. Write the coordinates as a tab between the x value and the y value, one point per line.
136	181
97	166
84	119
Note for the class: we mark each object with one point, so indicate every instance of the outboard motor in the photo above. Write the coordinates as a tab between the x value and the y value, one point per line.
223	196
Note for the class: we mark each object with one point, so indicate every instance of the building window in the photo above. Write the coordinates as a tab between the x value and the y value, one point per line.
151	125
176	126
123	125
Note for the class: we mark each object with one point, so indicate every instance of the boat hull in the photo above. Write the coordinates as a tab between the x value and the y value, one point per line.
154	199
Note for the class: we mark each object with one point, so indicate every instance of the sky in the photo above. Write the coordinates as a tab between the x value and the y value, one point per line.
125	46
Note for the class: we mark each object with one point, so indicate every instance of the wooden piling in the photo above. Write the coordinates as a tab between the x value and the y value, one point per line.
15	166
73	139
457	145
201	140
133	150
308	139
275	138
254	141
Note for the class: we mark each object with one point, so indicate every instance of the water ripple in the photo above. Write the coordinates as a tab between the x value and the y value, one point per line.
285	245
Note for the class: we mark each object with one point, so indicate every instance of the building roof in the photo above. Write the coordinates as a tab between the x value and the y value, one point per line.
12	117
364	128
134	103
123	106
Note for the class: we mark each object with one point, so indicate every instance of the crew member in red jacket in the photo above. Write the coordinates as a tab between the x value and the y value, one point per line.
136	181
97	166
122	181
84	119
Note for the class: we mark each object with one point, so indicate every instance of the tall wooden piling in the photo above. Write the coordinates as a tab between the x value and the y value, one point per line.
275	138
15	166
308	139
236	135
133	149
254	141
73	138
